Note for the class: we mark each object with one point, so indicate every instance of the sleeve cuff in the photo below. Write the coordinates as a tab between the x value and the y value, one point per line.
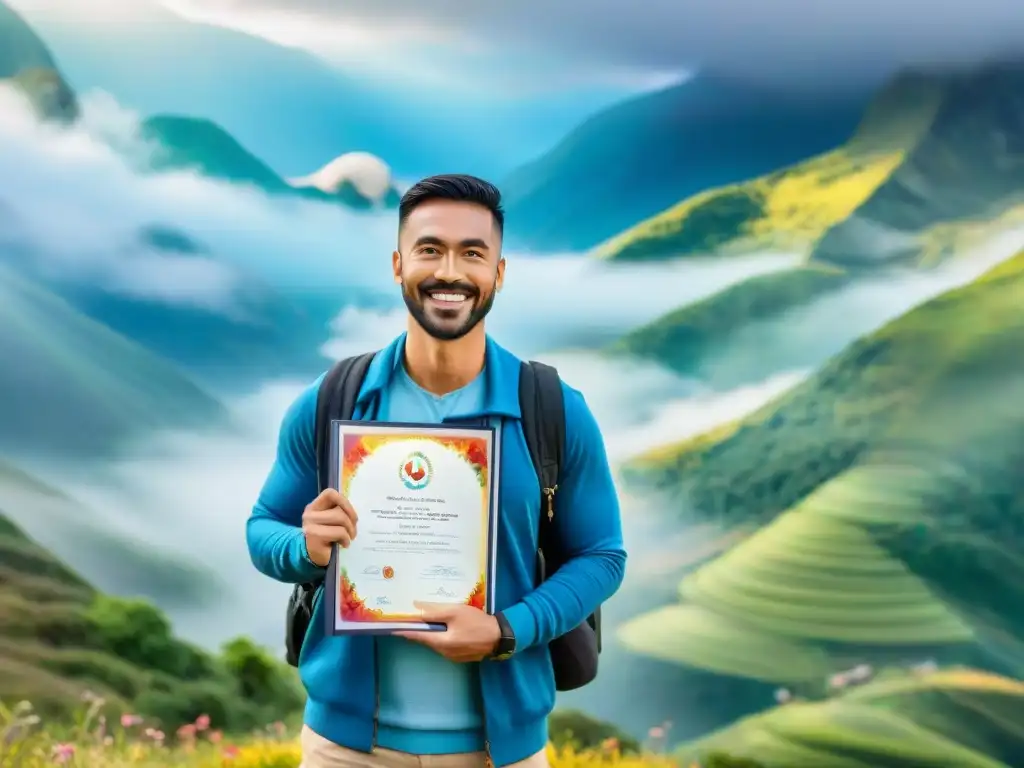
524	625
306	568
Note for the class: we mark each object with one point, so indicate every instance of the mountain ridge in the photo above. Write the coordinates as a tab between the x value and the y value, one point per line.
27	62
659	146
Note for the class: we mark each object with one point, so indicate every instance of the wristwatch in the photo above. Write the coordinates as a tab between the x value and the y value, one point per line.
507	642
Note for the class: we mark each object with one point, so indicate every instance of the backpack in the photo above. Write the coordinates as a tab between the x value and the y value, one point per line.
574	655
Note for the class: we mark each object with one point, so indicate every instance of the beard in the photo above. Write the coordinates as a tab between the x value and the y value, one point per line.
443	324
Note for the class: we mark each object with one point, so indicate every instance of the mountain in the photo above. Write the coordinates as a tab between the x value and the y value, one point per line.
948	717
202	145
78	388
933	147
791	208
25	60
685	338
969	165
187	143
265	333
636	158
85	541
884	498
929	176
291	108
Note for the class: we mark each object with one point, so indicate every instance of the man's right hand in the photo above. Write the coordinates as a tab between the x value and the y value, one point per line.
327	521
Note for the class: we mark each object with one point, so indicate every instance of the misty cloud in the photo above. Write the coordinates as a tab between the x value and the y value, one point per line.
781	41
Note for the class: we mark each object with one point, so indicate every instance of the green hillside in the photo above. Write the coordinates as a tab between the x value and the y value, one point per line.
679	339
26	61
203	146
87	543
890	501
189	143
921	158
79	386
60	638
635	158
966	167
956	717
791	208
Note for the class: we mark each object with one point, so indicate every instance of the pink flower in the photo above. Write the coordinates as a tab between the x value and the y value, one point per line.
187	732
130	721
215	737
63	752
230	751
202	722
610	744
657	732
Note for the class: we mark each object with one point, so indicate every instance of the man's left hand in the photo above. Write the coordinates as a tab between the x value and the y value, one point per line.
472	635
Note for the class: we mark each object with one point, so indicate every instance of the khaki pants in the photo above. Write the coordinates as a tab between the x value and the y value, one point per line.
318	752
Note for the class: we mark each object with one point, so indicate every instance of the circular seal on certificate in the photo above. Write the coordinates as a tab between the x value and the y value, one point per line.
415	472
388	572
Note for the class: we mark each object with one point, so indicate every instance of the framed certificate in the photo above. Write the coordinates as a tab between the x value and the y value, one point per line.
425	495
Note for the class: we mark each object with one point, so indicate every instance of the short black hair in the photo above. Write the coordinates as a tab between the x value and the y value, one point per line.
453	186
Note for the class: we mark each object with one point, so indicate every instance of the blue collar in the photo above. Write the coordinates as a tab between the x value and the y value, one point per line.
501	377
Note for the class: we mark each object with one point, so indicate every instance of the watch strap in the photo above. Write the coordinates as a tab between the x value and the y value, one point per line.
507	642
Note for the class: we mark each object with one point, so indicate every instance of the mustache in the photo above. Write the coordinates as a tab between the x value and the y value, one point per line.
438	285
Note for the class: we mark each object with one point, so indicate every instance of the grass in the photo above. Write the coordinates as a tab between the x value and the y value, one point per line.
939	719
96	741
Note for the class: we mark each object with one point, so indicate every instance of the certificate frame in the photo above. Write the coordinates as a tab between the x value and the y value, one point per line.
335	622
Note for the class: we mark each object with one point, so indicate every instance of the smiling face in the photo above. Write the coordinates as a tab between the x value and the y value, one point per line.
449	265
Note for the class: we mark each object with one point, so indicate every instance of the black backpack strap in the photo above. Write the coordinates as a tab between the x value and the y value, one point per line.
543	418
336	399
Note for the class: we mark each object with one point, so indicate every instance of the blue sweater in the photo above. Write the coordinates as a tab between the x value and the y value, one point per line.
342	675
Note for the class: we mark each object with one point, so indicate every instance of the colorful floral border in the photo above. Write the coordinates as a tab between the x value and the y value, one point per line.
355	449
352	608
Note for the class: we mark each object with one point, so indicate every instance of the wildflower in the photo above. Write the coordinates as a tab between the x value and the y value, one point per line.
108	741
782	696
657	732
610	744
839	680
130	721
215	737
279	728
861	673
230	751
62	753
187	732
21	708
202	722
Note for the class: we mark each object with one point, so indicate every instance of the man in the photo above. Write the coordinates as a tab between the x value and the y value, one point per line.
390	701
